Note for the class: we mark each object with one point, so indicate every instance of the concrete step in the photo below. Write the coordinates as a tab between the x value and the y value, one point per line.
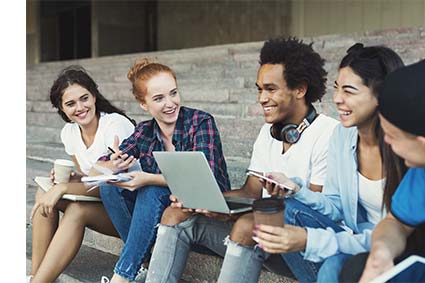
99	253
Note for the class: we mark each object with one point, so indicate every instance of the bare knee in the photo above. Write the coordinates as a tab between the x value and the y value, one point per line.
173	216
37	214
76	212
242	230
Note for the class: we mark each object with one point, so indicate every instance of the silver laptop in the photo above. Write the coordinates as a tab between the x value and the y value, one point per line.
191	180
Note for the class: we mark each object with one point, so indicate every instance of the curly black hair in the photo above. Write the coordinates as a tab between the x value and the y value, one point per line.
302	65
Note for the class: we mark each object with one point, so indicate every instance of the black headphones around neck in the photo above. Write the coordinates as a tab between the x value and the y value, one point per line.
291	133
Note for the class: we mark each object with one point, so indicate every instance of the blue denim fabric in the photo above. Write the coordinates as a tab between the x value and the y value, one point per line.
330	268
135	215
338	201
298	214
173	244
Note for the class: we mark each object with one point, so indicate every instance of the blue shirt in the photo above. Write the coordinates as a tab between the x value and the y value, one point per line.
339	201
408	202
195	131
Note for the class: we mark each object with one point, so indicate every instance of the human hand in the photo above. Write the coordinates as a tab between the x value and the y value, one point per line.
120	161
75	176
277	240
175	203
219	216
47	201
138	179
379	261
280	189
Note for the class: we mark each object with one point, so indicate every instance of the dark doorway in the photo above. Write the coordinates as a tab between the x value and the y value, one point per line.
65	30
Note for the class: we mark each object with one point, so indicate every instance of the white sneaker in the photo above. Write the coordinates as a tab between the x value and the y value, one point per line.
141	275
29	278
104	279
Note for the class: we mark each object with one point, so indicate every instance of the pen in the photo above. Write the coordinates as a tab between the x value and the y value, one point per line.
113	151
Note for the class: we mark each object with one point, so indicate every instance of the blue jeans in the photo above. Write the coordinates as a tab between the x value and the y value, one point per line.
173	244
243	264
299	214
331	267
135	215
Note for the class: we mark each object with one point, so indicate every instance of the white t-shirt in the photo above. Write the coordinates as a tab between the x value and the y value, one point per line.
109	125
371	194
305	159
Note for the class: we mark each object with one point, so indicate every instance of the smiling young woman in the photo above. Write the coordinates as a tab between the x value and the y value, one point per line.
362	174
92	124
136	206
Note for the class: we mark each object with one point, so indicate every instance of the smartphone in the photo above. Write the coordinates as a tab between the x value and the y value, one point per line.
252	173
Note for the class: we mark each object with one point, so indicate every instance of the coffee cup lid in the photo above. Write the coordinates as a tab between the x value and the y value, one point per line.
268	205
64	162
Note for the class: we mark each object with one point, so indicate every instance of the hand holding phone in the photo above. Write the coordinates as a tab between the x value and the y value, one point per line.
252	173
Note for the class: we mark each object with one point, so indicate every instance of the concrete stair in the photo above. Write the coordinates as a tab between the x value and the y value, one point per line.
216	79
99	253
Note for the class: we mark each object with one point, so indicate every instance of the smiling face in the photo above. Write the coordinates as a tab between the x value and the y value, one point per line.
356	104
278	101
162	99
409	147
78	104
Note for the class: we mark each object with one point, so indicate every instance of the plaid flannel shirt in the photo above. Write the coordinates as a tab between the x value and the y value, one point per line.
195	131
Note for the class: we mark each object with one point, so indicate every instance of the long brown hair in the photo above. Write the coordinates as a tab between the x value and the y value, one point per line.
372	64
76	74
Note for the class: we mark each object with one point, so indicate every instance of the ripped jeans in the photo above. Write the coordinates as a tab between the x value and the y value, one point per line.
173	244
243	263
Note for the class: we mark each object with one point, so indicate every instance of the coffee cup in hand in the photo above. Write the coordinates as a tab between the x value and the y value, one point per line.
269	211
63	169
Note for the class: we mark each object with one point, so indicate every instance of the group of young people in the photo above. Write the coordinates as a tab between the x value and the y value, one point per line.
347	177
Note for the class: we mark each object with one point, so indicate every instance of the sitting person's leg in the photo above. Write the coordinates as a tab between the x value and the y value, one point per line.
353	267
148	207
173	243
242	252
329	271
43	230
119	203
298	214
173	216
69	236
242	261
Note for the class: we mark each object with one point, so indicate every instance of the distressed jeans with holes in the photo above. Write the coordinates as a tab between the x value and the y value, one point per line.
173	244
243	264
135	215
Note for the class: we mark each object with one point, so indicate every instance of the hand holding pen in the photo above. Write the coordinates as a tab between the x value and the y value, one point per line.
120	161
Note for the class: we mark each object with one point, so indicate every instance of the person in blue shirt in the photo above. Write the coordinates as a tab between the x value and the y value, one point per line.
323	229
402	115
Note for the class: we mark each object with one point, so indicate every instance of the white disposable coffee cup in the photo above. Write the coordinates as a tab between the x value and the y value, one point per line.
63	169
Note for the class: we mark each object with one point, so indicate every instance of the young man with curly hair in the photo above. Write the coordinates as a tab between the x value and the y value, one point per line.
294	140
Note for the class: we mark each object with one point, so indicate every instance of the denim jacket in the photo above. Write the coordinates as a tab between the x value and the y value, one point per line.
338	201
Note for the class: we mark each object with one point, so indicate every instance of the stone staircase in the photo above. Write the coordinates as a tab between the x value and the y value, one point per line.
216	79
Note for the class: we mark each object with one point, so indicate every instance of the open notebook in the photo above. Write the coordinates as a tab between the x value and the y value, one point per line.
45	185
